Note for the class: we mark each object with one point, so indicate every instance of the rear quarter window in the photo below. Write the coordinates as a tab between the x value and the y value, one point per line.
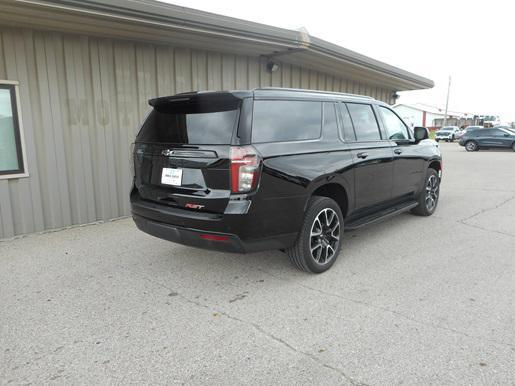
283	121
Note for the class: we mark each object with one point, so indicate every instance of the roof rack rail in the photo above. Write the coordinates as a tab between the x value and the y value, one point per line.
314	91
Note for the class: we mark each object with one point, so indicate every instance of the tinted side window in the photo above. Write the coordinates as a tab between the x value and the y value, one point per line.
395	128
498	133
277	121
365	123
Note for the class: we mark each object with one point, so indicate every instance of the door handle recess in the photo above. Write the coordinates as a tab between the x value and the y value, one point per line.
362	155
397	151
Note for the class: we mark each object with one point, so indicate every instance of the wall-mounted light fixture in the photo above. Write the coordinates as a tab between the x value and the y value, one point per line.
272	66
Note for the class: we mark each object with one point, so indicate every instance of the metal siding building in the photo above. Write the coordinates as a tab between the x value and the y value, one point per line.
85	71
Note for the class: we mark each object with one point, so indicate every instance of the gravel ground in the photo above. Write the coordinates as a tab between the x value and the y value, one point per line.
412	300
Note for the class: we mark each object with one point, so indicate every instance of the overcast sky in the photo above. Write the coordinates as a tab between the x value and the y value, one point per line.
473	41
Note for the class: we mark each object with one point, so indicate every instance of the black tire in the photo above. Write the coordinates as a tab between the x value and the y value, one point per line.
423	208
452	138
437	140
471	146
301	253
513	146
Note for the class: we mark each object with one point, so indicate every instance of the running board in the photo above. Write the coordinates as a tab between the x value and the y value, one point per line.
381	215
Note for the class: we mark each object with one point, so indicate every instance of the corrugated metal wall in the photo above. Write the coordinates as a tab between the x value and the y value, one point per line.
82	99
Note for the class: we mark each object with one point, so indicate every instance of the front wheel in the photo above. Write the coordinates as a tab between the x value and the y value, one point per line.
319	241
428	197
513	146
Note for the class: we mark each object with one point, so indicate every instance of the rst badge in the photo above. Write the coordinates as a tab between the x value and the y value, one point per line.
194	206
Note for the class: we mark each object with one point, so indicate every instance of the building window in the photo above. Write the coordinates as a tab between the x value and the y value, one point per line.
12	156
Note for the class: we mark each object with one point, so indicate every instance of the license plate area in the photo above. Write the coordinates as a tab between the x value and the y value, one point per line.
171	176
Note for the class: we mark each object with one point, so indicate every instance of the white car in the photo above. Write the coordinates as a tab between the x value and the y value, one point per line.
447	133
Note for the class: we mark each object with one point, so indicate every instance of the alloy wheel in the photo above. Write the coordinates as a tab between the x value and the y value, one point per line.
471	146
325	236
432	191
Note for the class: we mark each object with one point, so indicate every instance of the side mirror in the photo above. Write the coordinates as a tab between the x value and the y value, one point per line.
421	133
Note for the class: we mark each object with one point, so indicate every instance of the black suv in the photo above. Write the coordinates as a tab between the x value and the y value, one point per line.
475	139
273	168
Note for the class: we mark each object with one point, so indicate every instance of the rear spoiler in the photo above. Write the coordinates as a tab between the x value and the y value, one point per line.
201	97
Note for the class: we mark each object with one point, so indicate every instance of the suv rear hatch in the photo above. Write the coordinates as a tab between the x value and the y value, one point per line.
182	152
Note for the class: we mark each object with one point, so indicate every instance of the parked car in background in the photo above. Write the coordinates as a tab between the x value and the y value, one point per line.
474	140
447	133
275	168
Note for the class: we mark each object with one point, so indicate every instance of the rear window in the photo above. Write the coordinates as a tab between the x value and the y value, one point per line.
281	121
195	121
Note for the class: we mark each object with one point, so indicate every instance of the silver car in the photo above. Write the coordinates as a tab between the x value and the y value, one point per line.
447	133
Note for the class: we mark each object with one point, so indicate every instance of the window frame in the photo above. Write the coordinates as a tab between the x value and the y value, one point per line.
320	134
340	105
378	122
385	130
22	171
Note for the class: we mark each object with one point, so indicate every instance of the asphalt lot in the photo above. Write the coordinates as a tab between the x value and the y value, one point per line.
412	300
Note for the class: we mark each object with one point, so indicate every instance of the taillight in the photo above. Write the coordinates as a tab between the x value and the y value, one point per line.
244	169
136	159
131	160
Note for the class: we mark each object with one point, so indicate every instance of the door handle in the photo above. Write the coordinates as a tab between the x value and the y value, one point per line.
397	151
362	155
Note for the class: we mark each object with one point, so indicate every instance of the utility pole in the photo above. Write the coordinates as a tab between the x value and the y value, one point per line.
447	103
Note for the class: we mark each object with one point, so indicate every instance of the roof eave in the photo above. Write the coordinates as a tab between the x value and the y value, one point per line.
154	21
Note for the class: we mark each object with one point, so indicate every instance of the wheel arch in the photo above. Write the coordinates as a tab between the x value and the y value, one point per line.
435	164
336	192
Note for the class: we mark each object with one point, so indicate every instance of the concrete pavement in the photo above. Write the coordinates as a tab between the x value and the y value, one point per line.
412	300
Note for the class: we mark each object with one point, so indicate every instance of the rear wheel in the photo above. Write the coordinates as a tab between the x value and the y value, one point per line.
471	146
428	197
513	146
319	241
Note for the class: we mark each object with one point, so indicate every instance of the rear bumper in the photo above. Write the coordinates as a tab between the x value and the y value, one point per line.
191	237
221	232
